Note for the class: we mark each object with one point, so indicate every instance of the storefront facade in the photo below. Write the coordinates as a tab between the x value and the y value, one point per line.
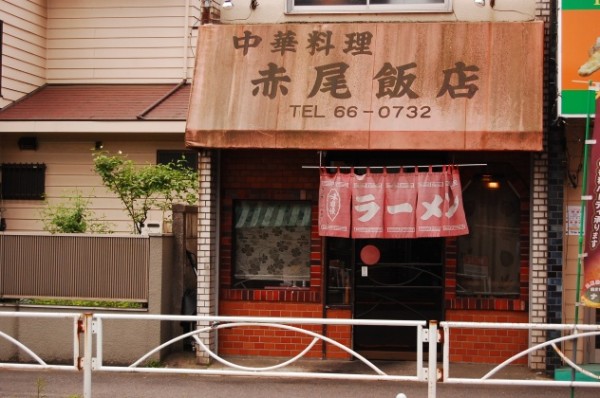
275	107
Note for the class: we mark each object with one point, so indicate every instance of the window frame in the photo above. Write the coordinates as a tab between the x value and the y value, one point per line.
445	6
265	283
487	277
22	181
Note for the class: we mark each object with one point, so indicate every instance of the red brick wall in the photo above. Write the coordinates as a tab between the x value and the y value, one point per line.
491	346
487	345
340	333
268	341
278	175
272	175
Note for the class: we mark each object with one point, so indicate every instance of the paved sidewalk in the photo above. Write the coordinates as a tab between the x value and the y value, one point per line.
107	384
64	384
405	368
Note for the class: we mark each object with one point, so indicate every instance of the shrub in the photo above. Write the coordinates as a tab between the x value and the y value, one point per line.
71	216
142	188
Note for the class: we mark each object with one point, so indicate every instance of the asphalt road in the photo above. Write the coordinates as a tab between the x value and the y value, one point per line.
64	384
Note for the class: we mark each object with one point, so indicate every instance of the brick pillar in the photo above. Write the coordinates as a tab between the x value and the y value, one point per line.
539	229
556	183
547	207
539	252
207	246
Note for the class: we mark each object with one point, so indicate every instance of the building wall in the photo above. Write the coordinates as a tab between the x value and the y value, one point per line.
90	41
535	248
494	346
23	48
550	171
264	174
487	345
273	175
538	311
69	168
121	41
95	41
208	245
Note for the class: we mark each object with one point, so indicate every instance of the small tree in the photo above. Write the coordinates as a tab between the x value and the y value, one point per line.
71	216
142	188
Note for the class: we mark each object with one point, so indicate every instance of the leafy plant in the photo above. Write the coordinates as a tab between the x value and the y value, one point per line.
71	216
142	188
153	363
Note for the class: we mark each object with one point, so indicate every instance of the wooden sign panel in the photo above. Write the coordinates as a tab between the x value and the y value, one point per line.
442	86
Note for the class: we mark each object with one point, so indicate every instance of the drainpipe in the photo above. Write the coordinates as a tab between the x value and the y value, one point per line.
142	116
186	29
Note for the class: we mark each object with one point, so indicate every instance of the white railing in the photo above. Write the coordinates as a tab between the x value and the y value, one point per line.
222	322
87	331
570	332
75	329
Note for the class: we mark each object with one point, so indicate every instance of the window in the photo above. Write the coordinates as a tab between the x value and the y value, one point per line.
164	156
339	271
23	181
489	257
271	244
349	6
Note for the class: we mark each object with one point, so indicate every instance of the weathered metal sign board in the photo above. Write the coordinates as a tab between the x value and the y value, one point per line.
441	86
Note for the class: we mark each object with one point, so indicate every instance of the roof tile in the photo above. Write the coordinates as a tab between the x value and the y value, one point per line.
102	102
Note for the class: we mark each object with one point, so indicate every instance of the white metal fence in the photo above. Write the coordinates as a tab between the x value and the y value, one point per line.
87	333
569	332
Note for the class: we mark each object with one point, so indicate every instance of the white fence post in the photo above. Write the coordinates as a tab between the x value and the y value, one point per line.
432	361
87	355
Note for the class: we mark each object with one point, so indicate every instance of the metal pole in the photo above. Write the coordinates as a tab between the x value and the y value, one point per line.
87	355
581	255
432	362
446	354
420	371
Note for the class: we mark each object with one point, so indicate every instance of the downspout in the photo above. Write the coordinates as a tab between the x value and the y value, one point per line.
186	29
142	116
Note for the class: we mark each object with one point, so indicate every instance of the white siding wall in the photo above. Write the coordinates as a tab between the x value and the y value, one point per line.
23	49
121	41
69	166
90	41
